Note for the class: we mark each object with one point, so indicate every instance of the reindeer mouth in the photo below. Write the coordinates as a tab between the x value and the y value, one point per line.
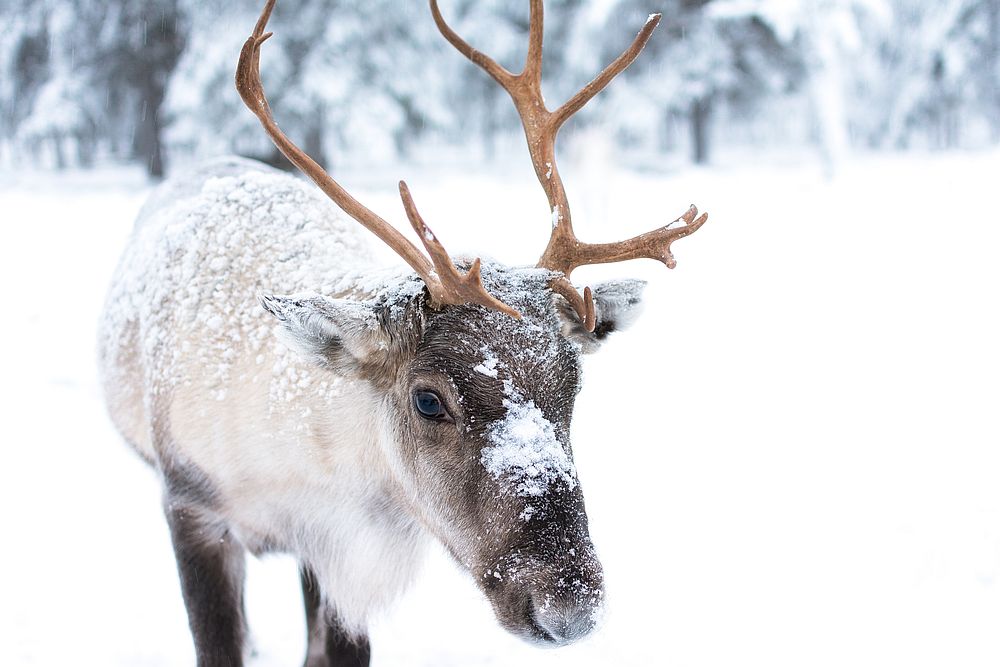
538	634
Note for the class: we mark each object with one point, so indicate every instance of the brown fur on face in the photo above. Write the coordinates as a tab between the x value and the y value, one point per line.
532	556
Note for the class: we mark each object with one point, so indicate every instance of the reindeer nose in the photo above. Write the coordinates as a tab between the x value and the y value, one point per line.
566	620
551	597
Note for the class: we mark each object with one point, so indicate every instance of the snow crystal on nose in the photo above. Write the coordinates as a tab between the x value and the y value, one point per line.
526	452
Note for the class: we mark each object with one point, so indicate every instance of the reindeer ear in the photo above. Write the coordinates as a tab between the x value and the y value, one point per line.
618	303
336	333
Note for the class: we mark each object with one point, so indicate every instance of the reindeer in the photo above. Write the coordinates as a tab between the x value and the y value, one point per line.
393	407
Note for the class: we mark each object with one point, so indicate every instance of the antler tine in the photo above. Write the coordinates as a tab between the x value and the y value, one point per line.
536	37
457	288
583	305
651	245
608	74
490	66
444	283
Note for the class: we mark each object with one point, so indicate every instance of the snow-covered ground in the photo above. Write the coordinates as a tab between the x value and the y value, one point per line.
792	459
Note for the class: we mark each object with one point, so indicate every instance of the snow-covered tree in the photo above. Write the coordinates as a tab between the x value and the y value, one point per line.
325	81
84	73
942	66
128	80
703	59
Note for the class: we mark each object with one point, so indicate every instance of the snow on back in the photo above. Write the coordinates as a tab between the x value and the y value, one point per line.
204	246
526	452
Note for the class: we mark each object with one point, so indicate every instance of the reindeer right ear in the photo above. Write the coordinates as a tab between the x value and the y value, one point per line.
617	303
335	333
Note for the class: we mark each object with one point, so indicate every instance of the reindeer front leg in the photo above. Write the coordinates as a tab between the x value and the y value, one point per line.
211	564
329	645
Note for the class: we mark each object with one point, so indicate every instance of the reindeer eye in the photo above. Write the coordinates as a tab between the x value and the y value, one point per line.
429	405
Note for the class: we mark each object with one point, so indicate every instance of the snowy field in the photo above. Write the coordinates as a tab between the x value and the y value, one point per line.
792	459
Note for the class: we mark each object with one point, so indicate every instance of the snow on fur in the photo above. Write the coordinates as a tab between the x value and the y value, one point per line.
488	367
250	226
526	451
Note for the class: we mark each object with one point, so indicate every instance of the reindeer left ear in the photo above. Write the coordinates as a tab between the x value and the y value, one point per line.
330	332
617	303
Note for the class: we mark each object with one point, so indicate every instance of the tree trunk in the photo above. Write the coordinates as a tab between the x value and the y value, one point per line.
413	125
313	143
701	111
147	70
148	143
57	146
85	146
993	62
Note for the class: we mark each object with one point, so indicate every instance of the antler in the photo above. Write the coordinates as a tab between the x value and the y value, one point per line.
565	251
445	283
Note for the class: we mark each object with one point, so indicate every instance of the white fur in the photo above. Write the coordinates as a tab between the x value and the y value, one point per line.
193	372
619	301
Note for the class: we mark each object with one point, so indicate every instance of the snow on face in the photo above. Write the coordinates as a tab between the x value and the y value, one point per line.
535	365
488	367
526	452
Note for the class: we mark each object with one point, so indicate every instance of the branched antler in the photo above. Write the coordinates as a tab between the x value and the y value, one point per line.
565	251
445	284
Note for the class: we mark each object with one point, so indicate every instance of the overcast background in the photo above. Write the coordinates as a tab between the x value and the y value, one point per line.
792	459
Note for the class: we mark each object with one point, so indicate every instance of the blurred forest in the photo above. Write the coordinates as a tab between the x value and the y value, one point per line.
86	82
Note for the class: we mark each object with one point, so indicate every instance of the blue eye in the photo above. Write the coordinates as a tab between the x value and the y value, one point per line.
429	405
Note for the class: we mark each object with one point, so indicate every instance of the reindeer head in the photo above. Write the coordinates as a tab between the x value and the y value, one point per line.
477	368
476	407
